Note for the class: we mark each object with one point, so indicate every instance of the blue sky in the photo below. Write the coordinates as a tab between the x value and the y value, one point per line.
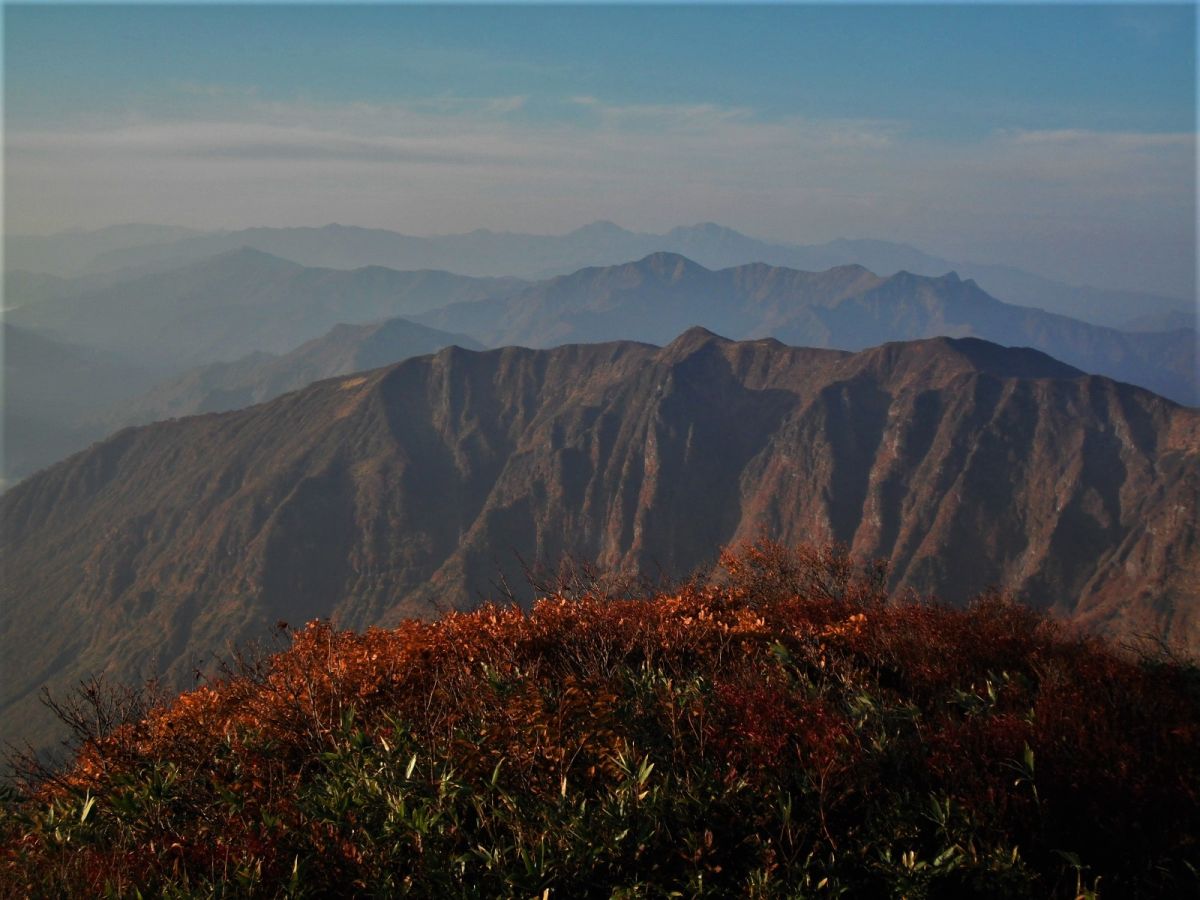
1057	137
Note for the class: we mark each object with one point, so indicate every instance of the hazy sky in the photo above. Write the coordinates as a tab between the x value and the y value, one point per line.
1058	138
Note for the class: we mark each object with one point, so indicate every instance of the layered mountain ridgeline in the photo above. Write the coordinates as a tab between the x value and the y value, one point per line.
245	302
49	389
224	307
59	399
22	288
847	308
262	376
409	489
490	253
73	252
45	376
132	332
1173	320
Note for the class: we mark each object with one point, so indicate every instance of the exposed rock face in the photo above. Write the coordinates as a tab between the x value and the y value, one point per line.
58	399
847	308
407	490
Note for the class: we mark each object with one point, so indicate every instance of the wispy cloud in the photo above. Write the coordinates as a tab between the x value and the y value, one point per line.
715	142
1108	140
246	141
449	163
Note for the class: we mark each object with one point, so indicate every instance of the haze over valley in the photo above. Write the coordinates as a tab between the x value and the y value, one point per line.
678	413
191	338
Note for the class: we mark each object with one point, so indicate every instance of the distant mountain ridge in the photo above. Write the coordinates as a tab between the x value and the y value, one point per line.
846	308
124	335
258	377
222	307
226	312
408	489
59	399
49	389
534	257
73	252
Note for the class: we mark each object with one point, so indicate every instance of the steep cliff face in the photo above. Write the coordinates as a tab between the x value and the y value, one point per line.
846	308
411	489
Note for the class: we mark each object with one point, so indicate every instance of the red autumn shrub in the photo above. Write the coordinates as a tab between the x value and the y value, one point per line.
783	725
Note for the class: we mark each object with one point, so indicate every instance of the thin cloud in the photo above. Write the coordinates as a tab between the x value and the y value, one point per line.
445	164
245	141
1120	140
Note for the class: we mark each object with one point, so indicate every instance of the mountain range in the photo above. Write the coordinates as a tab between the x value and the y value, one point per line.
244	301
257	377
50	390
846	308
213	329
73	252
60	398
411	489
143	249
223	307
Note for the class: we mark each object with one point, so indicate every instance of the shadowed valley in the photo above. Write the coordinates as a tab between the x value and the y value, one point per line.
408	490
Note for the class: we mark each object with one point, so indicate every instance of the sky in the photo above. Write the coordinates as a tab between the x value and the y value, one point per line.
1059	138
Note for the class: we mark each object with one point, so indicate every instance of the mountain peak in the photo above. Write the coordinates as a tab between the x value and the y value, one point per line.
247	254
851	269
601	228
668	266
241	262
691	341
698	334
968	354
343	230
1008	362
695	444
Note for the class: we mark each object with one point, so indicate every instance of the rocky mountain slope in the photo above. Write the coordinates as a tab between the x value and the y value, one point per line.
410	489
846	307
60	398
262	376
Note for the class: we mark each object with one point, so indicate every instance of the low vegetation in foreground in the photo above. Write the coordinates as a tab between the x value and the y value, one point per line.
786	730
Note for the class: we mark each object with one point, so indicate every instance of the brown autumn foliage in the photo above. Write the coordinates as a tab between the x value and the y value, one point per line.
785	728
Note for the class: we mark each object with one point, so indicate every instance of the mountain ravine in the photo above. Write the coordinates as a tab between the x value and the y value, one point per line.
410	489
